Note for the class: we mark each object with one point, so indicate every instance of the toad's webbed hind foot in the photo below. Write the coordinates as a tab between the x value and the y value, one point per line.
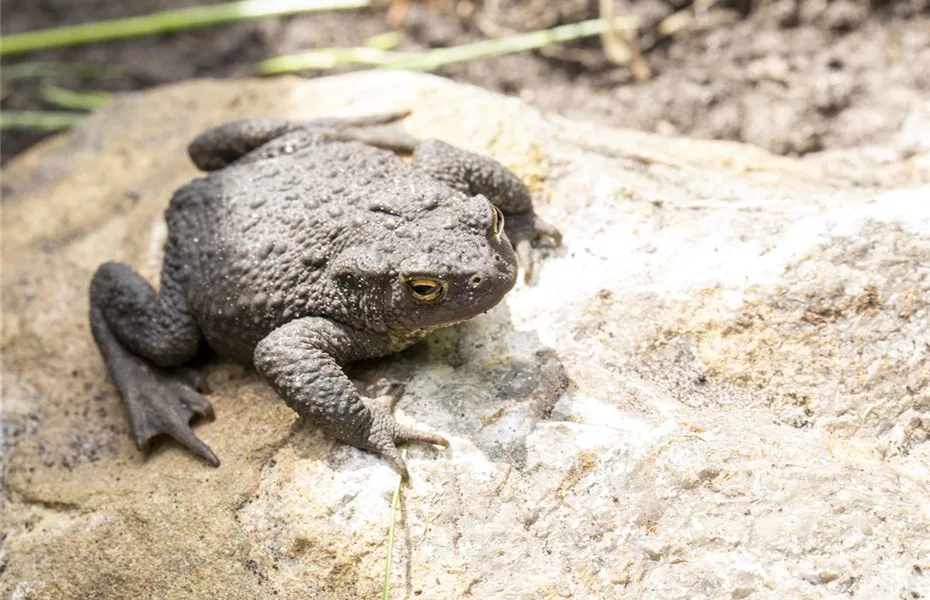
162	402
159	401
142	335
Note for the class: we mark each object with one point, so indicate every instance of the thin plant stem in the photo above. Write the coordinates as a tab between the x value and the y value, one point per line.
165	22
440	57
34	120
45	69
69	99
385	589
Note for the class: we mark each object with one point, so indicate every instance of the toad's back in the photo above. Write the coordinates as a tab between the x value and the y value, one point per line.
253	242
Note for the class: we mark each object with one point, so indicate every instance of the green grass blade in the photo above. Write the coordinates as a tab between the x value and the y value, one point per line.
385	41
47	69
329	58
166	22
70	99
533	40
431	60
31	120
385	589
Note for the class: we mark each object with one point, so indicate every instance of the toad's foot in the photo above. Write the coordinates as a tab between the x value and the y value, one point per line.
141	334
386	433
523	230
301	360
161	401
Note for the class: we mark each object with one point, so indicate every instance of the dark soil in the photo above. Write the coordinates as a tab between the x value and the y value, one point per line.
792	76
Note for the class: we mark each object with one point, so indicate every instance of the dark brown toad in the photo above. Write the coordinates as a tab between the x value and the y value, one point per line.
307	246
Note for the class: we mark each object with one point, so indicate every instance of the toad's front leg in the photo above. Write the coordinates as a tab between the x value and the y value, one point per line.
303	360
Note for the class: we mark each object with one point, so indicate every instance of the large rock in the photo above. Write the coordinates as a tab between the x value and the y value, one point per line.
718	388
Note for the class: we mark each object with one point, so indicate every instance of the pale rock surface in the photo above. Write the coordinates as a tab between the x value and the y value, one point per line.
718	388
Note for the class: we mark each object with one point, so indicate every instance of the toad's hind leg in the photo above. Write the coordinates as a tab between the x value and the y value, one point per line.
231	142
142	335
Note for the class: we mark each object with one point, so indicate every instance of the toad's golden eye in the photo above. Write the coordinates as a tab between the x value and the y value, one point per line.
426	290
498	222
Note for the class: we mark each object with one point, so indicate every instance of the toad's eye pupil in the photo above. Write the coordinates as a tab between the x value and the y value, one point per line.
426	290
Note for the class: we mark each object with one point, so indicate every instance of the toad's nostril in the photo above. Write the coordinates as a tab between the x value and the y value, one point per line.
476	280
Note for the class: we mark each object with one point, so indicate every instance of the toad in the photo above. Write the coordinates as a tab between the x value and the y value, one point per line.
308	245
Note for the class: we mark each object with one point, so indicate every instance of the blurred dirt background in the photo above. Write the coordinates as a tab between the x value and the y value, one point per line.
791	76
